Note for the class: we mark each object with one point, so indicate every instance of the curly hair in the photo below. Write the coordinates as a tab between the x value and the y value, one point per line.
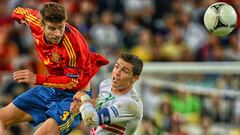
53	12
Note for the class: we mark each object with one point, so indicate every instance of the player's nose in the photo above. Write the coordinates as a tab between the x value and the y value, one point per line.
57	33
118	72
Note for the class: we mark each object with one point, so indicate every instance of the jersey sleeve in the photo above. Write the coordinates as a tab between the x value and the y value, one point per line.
80	68
101	95
67	82
74	78
120	111
30	16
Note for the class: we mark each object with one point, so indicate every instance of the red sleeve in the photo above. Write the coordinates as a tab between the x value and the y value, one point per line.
67	82
30	16
80	68
74	79
61	82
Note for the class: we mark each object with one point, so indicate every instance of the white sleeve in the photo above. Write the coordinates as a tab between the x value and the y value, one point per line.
89	114
121	110
101	95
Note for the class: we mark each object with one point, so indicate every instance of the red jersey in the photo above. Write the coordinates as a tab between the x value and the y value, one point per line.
70	64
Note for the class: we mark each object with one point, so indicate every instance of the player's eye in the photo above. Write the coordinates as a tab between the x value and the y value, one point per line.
125	71
61	27
51	28
116	66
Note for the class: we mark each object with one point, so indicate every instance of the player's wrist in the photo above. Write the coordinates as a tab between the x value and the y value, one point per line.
84	106
84	98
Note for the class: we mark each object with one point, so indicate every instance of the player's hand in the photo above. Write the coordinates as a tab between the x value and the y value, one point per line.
78	95
24	76
75	106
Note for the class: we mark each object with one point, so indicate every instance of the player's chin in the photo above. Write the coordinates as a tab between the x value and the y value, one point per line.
55	41
115	85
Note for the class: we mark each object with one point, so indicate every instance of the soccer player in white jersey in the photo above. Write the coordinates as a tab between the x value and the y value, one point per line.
119	108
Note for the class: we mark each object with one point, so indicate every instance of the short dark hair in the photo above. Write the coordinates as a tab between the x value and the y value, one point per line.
135	61
53	12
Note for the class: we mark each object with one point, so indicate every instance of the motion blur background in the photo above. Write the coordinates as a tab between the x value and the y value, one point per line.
167	35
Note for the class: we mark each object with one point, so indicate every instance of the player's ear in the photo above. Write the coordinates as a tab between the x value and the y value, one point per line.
135	78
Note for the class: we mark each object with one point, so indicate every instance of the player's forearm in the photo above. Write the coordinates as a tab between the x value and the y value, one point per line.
61	82
89	114
94	118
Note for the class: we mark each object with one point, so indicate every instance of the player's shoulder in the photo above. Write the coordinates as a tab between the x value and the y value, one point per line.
129	99
134	95
129	104
69	29
74	37
105	88
133	98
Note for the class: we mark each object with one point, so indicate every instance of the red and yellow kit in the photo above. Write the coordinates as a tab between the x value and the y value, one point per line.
70	64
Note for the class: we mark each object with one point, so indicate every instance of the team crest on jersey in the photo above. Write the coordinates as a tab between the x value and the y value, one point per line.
46	61
56	57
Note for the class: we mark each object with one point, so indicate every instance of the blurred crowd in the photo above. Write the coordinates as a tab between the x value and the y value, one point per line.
154	30
191	104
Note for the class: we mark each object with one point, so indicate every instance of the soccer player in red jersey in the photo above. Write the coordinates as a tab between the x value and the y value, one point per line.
70	65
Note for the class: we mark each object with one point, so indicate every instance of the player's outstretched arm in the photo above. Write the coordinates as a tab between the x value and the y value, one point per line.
27	16
122	110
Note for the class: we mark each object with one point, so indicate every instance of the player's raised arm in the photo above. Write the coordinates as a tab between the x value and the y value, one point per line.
27	16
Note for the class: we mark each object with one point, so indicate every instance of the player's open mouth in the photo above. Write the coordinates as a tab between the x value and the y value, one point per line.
115	79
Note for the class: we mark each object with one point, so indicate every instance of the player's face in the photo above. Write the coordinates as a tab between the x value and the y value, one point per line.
54	31
122	75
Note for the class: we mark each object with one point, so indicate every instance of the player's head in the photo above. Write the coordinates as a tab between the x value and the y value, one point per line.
126	71
53	20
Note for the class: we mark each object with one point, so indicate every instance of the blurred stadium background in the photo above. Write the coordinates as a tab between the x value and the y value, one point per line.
191	79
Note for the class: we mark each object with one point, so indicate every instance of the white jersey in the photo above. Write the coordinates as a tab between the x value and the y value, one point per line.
125	111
